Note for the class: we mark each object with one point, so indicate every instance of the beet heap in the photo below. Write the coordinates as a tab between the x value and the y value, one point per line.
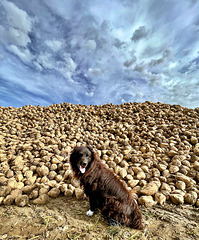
153	147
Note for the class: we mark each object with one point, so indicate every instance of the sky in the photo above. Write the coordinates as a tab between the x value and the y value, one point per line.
98	52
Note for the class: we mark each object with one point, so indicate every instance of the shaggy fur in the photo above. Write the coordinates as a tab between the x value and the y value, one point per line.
104	189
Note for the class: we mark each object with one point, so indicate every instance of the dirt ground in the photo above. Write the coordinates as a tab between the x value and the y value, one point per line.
64	218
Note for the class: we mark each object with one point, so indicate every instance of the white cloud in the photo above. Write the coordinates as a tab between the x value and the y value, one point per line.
89	94
65	66
18	25
24	54
90	45
16	17
45	60
95	71
55	45
17	37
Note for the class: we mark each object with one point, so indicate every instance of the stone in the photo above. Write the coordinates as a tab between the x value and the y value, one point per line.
8	200
68	193
161	167
172	153
19	185
54	192
166	194
4	191
1	200
43	171
34	194
16	192
150	188
194	140
123	172
145	168
190	198
133	183
160	198
28	174
147	201
141	175
196	149
19	177
177	199
9	173
52	175
155	172
178	191
75	182
41	200
166	173
79	193
136	190
21	200
28	189
43	190
180	185
142	183
183	178
196	165
173	169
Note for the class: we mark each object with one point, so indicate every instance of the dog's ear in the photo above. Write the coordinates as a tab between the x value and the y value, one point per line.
71	153
95	156
92	151
90	148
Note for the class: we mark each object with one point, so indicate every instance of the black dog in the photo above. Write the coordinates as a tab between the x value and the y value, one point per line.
104	189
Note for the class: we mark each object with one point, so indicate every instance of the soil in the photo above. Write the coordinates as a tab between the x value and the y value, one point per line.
64	218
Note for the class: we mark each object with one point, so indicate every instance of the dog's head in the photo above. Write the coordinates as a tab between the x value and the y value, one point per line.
81	158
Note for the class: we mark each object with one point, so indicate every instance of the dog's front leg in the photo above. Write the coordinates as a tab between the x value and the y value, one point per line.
92	201
89	213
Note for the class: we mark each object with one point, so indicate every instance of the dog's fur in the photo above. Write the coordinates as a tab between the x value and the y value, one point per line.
104	189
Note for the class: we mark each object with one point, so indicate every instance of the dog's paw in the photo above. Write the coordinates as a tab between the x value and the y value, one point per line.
112	222
89	213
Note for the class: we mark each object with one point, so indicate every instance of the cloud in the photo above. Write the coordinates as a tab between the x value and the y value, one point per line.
90	44
55	45
140	33
76	52
23	54
16	17
65	66
18	25
160	60
14	36
130	61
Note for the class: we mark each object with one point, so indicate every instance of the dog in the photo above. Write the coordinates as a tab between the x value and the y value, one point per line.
104	189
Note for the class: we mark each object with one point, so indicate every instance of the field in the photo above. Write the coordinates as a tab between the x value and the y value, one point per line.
64	218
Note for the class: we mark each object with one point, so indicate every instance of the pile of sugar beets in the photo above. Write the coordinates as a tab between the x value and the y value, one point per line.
152	147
